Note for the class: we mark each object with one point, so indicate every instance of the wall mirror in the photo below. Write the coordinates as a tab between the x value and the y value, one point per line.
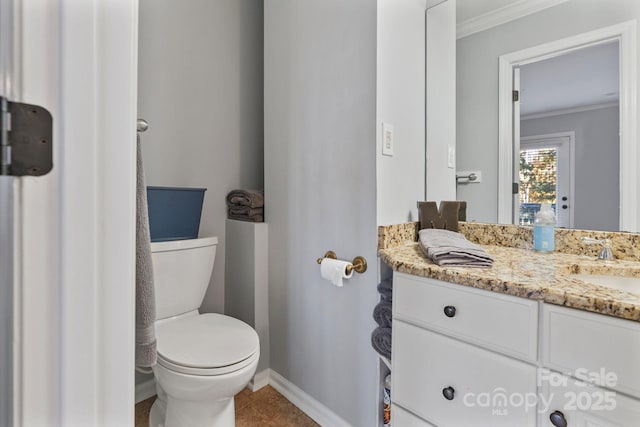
574	145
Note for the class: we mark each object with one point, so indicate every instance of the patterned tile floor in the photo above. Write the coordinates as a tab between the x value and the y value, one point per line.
264	408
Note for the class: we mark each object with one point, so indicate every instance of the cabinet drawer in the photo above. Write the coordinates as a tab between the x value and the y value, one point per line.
588	344
499	322
402	418
426	364
583	405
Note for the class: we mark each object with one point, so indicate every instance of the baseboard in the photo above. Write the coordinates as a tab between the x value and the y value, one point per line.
145	390
307	404
259	380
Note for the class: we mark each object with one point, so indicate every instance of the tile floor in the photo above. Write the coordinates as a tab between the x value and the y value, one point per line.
266	407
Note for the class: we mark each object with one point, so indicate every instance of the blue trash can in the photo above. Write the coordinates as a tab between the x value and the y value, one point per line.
174	212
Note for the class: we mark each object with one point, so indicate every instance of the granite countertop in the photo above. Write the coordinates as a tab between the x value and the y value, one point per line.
529	274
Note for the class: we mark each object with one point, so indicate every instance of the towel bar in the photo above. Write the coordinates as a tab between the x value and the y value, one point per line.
470	177
359	264
142	125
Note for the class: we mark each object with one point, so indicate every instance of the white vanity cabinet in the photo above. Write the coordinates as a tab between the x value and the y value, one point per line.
472	357
579	348
459	352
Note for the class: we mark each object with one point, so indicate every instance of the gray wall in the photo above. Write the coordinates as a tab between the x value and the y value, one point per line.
320	186
597	163
477	85
200	88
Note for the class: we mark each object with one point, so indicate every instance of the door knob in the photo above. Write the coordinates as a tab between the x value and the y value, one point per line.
448	393
557	419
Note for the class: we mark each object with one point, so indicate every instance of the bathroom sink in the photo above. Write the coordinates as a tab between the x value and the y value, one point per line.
627	284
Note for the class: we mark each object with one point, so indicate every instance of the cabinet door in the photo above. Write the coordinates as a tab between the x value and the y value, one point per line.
451	384
402	418
589	345
503	323
576	404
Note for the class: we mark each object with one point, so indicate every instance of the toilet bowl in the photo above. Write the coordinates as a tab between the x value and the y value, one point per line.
204	360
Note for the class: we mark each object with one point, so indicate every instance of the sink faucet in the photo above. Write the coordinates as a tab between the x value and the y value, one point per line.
606	253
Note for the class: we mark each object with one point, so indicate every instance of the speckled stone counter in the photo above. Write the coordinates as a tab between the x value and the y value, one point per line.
525	273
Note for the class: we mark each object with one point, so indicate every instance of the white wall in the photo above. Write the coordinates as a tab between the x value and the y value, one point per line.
6	299
200	89
320	183
597	163
477	85
401	103
441	101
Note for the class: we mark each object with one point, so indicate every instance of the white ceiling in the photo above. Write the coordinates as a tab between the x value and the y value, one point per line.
581	78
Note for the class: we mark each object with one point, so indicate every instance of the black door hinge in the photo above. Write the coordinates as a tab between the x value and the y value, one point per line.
515	188
516	95
26	139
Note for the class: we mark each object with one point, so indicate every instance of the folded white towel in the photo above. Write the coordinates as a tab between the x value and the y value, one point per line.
449	248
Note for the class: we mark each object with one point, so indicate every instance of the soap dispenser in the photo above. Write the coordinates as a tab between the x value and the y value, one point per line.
544	229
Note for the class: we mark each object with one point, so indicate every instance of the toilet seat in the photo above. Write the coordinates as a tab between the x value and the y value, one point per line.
206	344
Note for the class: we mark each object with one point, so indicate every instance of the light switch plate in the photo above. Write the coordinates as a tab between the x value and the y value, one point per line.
387	139
451	157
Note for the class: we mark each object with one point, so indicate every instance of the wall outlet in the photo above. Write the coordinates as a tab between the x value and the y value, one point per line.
387	139
451	157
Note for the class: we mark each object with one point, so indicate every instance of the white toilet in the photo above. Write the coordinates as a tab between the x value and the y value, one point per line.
204	360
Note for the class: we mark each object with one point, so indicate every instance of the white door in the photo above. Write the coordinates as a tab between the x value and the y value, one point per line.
516	143
545	174
6	238
67	239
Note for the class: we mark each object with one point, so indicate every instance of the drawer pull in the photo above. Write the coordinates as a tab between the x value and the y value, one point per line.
449	311
557	419
448	393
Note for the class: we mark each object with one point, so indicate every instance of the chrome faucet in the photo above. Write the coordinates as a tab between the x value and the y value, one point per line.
606	254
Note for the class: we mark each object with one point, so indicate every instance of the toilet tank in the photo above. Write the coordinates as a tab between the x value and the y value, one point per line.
181	272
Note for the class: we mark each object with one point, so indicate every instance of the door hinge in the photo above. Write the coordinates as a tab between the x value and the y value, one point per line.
516	95
26	139
515	188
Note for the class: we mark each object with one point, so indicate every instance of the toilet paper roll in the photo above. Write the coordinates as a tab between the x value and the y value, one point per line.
334	270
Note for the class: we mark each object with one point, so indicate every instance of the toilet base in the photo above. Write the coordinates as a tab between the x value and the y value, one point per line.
170	413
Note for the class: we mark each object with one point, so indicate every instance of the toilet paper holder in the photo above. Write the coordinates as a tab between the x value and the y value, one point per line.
359	263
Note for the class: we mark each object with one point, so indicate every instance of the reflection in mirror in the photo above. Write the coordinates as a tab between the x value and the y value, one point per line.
568	152
569	147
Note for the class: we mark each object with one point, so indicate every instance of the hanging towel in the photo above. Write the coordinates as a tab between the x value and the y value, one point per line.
385	289
449	248
381	341
382	313
250	198
145	296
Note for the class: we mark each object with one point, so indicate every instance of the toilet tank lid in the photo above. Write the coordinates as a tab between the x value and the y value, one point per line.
177	245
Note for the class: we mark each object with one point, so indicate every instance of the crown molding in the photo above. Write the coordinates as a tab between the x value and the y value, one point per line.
503	15
562	111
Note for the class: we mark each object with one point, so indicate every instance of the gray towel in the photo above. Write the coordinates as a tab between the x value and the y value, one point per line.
382	313
381	341
250	198
252	215
385	289
449	248
145	297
